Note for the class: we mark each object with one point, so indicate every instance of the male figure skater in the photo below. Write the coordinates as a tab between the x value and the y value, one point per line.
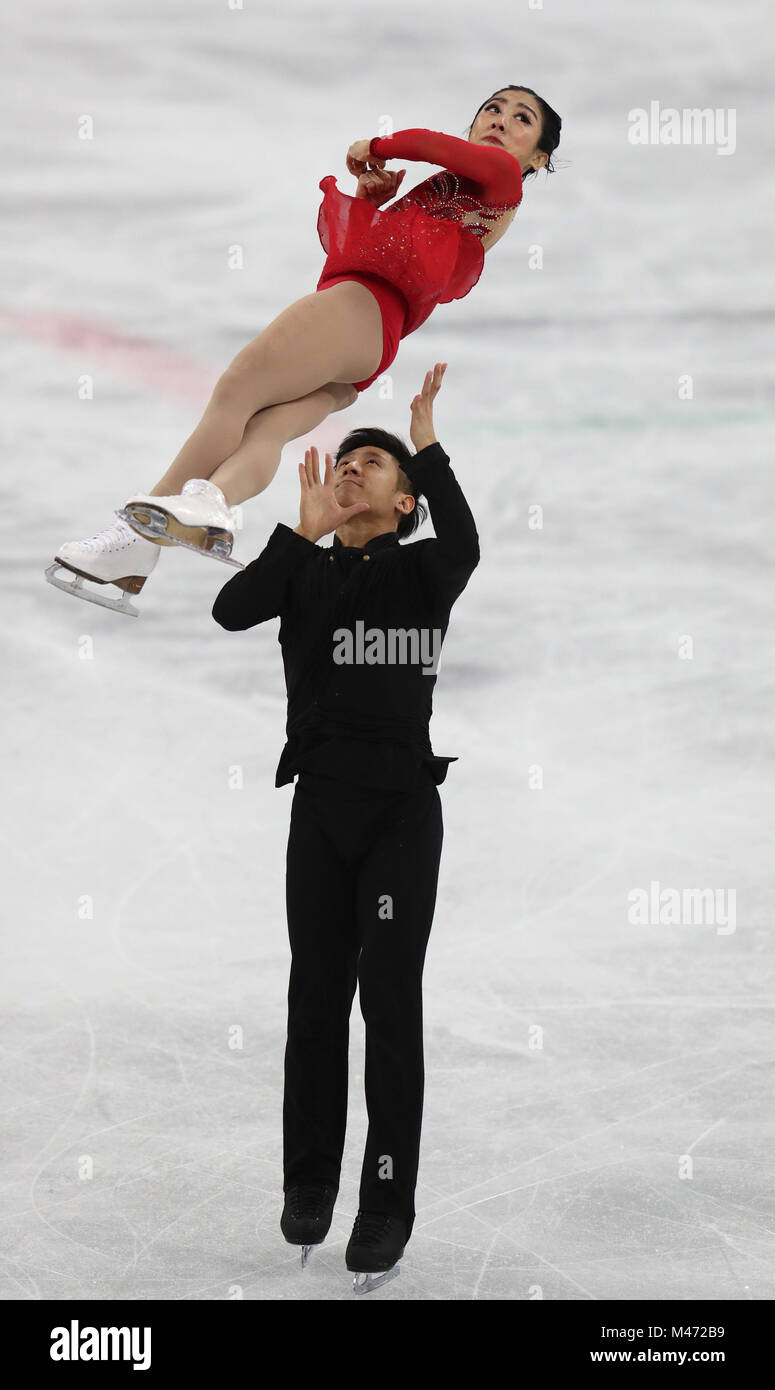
362	623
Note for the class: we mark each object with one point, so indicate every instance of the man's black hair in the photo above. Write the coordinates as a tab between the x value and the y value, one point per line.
392	444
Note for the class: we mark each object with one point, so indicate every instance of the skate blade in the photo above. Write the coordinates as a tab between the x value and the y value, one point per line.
157	525
364	1283
77	589
306	1250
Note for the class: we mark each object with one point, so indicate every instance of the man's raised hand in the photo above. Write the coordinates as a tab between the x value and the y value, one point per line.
319	511
421	430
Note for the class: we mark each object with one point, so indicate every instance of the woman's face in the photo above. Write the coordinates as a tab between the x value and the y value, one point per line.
513	121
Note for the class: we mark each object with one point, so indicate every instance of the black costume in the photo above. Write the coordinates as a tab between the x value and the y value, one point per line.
366	828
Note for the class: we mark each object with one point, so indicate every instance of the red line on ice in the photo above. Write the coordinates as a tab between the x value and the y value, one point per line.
135	359
167	371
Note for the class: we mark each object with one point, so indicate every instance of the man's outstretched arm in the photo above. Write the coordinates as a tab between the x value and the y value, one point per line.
262	590
447	562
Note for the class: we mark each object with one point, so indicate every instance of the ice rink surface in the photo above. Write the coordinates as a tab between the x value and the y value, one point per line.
598	1120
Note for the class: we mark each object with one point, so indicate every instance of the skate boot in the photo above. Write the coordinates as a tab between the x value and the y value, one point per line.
116	555
307	1214
374	1249
197	518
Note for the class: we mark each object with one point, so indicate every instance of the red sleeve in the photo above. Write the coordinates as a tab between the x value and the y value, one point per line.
496	171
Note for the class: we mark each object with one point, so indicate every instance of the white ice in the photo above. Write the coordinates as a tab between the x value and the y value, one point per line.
631	1155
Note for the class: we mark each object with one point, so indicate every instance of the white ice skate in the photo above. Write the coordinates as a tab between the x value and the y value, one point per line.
197	518
116	555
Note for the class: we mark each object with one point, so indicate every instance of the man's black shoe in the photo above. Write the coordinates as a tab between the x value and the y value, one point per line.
307	1212
376	1244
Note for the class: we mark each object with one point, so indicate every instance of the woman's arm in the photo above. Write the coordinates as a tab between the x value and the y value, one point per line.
496	171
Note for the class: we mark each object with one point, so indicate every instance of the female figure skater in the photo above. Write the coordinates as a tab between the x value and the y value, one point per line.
384	274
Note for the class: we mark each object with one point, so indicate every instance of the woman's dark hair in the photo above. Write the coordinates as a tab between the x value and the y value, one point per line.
394	445
551	125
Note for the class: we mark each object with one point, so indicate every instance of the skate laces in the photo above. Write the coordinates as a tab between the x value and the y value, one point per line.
309	1199
119	532
370	1227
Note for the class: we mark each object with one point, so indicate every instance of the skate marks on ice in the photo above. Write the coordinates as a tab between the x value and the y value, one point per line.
585	1188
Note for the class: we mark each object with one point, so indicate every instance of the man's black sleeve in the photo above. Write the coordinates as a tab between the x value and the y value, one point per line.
262	590
447	562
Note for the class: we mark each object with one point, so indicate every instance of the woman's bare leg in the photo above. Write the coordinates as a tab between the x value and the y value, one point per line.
334	335
277	422
257	459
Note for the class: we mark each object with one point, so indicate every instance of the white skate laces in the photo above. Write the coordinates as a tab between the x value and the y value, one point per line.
118	536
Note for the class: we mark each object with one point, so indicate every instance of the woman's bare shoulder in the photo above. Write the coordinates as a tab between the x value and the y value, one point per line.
498	229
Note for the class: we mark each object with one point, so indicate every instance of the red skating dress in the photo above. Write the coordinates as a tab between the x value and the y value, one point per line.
417	253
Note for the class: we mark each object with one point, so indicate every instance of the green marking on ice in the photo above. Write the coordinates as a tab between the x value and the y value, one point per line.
613	423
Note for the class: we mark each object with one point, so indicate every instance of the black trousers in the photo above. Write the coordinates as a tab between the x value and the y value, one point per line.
362	871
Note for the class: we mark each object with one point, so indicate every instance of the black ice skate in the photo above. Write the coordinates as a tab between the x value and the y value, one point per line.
374	1249
307	1214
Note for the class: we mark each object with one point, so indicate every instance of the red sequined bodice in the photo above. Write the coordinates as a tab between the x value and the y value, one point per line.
420	244
443	196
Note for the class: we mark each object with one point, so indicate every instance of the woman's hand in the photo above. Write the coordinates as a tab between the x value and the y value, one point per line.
359	159
319	511
421	431
378	186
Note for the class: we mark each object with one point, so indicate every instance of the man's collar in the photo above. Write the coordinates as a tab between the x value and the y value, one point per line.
382	542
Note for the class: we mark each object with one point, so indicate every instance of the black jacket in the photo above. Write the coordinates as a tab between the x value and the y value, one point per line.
362	722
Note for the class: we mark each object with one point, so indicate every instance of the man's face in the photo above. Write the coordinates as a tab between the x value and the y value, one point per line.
370	475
